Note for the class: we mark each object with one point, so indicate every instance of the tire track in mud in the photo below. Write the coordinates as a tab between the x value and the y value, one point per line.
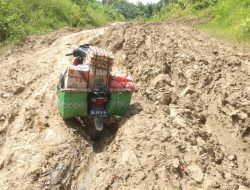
37	146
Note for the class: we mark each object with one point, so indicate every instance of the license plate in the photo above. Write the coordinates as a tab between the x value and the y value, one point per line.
98	112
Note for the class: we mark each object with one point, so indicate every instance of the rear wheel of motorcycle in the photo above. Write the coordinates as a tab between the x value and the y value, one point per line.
94	134
98	122
91	130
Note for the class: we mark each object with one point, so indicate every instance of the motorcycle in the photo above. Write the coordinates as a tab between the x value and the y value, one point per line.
99	100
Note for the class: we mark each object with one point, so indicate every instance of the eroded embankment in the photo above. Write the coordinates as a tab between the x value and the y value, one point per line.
189	126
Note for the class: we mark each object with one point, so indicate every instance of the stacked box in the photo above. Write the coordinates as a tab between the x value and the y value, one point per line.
100	58
101	61
77	77
97	74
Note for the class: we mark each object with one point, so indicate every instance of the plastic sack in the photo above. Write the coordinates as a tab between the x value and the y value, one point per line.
123	83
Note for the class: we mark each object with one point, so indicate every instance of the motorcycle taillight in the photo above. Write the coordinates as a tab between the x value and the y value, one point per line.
75	62
100	101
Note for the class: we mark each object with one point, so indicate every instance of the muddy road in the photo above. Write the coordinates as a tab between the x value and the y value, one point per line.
188	126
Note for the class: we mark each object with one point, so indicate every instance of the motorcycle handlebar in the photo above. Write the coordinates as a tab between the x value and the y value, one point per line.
78	52
69	54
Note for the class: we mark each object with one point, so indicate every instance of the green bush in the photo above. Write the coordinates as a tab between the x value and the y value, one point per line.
245	27
203	4
19	18
11	24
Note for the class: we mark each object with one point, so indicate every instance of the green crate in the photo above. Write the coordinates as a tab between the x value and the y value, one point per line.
119	103
72	104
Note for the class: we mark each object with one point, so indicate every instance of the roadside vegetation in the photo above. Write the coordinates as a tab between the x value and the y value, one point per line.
133	11
19	18
229	19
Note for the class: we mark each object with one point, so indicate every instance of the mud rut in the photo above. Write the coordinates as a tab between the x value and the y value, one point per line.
188	126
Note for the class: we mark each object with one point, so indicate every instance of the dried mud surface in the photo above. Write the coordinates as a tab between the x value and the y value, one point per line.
188	126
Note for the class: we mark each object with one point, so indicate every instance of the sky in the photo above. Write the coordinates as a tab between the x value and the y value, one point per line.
144	1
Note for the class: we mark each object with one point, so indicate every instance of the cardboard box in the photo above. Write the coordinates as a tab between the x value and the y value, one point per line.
98	71
77	77
100	57
97	74
93	80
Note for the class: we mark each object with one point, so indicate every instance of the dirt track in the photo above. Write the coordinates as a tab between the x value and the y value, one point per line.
188	127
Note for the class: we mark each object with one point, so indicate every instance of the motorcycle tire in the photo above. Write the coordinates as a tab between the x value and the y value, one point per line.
91	130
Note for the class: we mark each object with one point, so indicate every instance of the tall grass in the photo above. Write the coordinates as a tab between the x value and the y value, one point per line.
19	18
232	21
230	18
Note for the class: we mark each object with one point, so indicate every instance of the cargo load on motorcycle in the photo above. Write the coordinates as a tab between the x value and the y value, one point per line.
88	87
